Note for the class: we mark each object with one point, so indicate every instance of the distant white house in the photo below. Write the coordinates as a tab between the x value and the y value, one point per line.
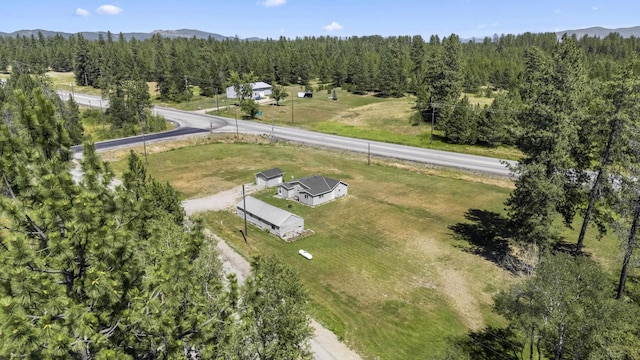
260	90
268	217
313	190
269	178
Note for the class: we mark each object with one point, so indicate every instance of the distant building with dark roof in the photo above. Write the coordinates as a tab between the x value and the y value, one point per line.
313	190
269	178
268	217
259	90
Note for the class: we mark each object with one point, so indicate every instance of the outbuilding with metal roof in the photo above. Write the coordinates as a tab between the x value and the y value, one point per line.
279	222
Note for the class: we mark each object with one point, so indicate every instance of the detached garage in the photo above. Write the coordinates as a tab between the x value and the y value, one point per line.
268	217
269	178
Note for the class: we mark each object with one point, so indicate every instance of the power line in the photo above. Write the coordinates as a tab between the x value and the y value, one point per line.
501	354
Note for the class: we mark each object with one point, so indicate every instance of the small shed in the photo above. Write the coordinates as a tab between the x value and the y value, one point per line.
269	178
259	90
268	217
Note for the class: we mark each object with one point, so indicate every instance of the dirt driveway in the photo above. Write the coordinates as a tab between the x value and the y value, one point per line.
324	344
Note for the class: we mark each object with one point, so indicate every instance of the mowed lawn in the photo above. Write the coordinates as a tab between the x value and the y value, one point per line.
387	275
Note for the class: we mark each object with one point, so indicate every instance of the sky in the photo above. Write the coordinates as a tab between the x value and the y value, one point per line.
299	18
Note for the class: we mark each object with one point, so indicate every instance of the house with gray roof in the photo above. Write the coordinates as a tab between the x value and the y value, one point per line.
269	178
278	222
313	190
259	90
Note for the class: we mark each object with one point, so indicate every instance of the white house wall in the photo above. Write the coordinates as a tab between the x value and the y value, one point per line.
306	199
286	193
292	227
274	182
264	182
261	182
340	190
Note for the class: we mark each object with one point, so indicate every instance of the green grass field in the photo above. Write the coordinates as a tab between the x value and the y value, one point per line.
388	274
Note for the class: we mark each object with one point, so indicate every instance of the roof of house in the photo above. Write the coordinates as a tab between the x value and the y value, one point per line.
260	85
256	86
314	185
269	213
271	173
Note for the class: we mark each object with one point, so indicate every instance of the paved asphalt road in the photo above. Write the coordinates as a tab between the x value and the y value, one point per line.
191	122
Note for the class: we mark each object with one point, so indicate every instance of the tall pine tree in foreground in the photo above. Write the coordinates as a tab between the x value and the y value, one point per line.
549	178
89	270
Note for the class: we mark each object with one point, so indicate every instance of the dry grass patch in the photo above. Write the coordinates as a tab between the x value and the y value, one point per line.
392	114
63	80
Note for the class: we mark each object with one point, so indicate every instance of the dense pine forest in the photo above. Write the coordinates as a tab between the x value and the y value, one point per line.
571	106
436	71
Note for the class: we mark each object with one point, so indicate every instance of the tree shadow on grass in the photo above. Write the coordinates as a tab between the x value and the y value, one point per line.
490	343
487	233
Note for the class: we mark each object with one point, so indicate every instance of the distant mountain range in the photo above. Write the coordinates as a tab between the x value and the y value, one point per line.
187	33
93	35
599	31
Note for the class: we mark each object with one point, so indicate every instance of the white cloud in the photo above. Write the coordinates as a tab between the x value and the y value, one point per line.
332	27
272	3
594	8
109	10
557	11
81	12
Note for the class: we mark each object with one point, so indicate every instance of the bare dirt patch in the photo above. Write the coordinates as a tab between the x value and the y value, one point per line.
456	288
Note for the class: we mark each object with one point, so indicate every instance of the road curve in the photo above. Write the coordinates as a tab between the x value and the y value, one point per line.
377	148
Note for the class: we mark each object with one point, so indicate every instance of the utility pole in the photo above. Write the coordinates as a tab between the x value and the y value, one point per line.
144	141
235	111
292	106
244	201
101	114
217	106
186	87
433	112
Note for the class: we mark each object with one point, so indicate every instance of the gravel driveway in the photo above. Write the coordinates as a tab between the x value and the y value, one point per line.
325	344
